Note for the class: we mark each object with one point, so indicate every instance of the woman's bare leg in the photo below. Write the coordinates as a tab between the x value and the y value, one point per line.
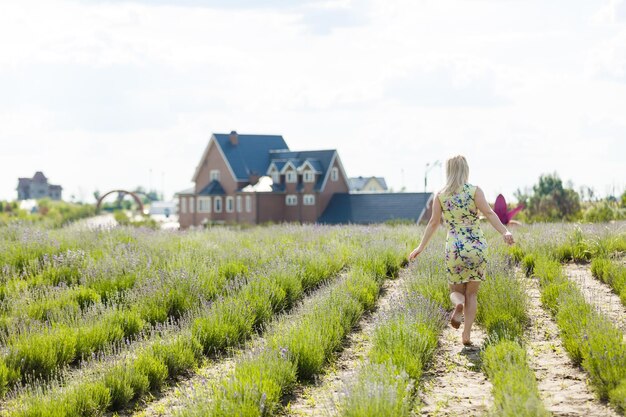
471	304
457	296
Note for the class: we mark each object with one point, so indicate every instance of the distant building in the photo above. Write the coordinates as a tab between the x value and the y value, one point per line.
368	185
257	179
37	187
165	208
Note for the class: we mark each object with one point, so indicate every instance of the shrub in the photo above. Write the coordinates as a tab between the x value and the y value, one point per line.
40	354
228	322
612	274
108	287
405	344
502	305
129	321
514	385
604	355
603	211
589	338
125	384
86	297
179	356
617	396
156	370
528	264
4	378
254	389
90	399
91	339
517	253
380	391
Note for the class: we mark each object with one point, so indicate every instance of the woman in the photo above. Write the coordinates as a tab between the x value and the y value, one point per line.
465	245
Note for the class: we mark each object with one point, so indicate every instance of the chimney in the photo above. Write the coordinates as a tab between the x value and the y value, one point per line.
234	138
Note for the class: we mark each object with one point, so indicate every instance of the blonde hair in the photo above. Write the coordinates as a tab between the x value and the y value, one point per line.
457	173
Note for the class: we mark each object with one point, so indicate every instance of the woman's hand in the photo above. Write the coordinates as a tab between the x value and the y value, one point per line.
508	238
415	252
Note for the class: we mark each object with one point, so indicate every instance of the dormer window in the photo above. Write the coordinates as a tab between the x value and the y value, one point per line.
291	176
308	176
214	175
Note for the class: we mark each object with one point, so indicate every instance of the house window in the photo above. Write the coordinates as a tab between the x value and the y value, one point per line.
291	176
291	200
239	204
192	205
309	176
204	204
249	204
230	204
183	205
308	200
334	174
275	175
214	175
217	204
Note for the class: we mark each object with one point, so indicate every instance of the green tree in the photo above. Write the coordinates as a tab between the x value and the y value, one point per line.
550	201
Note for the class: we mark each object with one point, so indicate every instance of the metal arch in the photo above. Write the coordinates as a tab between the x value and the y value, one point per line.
131	193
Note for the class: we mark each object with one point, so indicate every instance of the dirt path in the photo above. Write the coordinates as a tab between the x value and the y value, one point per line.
321	397
562	386
455	384
598	294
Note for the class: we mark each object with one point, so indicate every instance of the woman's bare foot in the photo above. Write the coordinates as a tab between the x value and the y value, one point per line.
466	339
457	314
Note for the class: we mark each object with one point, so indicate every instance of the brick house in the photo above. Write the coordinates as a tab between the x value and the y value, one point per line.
368	185
37	187
303	184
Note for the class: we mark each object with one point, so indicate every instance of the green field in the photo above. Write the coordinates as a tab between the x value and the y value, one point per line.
93	322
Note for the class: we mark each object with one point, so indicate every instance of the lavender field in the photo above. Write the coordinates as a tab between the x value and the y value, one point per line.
306	320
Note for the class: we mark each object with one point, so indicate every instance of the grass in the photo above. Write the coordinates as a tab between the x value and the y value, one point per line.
502	311
403	344
231	319
381	390
298	346
90	322
590	339
515	391
612	273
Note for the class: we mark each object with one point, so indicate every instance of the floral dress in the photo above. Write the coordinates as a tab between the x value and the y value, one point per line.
465	244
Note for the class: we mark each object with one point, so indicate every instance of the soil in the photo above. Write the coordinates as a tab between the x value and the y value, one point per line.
598	294
455	385
563	387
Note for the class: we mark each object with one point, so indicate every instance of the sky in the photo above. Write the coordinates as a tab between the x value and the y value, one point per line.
102	95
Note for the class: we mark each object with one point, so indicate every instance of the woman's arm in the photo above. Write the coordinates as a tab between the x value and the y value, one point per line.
492	217
433	223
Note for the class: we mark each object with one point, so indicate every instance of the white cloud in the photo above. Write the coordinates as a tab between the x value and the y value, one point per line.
97	94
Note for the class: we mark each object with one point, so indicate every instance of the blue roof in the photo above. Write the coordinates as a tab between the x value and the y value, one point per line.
319	159
251	154
374	208
315	164
357	183
214	188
